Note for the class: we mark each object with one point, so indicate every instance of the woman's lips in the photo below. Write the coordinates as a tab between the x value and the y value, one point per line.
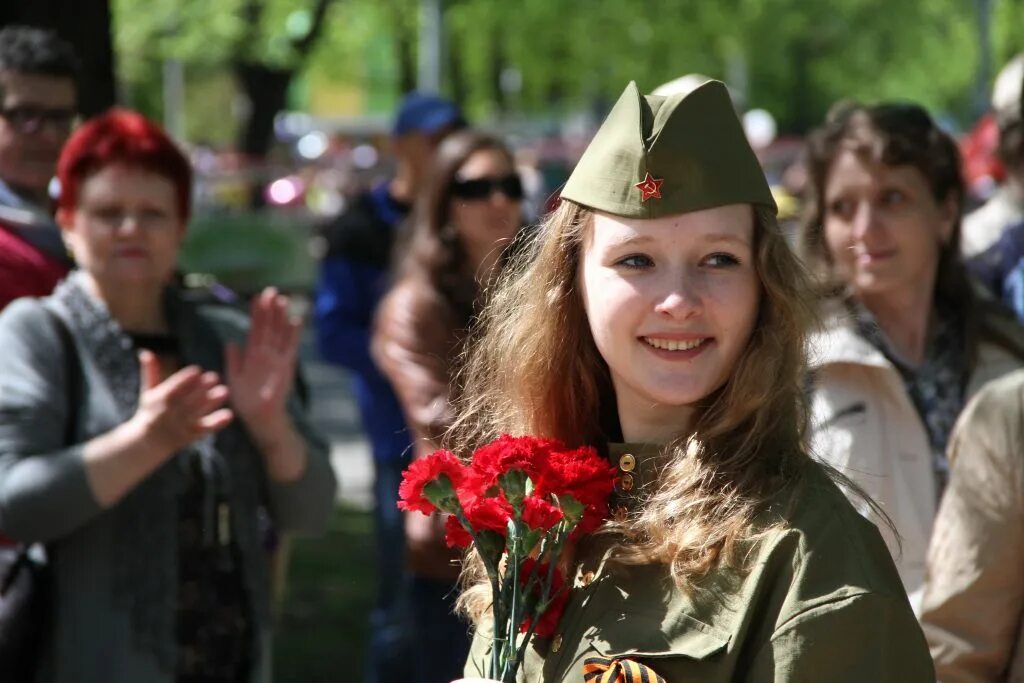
679	348
873	257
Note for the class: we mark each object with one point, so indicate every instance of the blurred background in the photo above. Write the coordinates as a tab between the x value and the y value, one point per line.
285	107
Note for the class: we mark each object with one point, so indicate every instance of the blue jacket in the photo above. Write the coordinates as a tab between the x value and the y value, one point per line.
1001	268
353	279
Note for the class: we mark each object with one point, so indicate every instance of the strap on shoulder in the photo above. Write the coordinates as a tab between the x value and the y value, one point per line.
72	373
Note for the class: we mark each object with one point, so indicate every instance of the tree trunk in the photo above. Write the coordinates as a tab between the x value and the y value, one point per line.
801	112
266	88
456	70
497	65
405	45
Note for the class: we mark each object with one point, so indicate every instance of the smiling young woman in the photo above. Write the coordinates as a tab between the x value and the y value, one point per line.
671	302
659	315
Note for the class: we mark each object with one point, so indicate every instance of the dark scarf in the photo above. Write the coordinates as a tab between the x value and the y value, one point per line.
938	386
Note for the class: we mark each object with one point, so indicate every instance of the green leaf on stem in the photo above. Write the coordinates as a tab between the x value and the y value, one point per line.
441	493
530	540
490	545
571	508
514	485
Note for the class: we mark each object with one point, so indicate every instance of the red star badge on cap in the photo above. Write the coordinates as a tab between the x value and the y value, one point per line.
650	187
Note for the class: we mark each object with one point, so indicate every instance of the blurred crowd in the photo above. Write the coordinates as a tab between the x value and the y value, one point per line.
144	505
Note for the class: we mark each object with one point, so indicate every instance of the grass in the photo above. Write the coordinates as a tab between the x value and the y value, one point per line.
322	631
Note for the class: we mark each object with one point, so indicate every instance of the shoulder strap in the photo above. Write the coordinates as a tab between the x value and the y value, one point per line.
74	392
72	372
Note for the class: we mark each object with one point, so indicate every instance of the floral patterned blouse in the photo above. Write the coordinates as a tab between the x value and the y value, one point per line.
937	387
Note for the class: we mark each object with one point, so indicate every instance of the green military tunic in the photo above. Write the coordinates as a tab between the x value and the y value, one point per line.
820	601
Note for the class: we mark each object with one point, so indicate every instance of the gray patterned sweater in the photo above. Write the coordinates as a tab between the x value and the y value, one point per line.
114	570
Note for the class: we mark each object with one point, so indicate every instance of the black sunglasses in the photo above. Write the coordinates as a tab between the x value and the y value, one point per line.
482	188
29	119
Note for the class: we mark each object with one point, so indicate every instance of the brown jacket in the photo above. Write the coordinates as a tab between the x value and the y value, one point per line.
974	588
415	343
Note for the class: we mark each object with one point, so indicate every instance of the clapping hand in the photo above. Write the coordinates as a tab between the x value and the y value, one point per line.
177	411
261	373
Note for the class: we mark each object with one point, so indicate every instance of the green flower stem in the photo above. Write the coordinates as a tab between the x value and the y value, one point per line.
492	575
515	616
561	533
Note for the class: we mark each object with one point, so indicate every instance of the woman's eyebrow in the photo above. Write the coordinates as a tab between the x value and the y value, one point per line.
629	240
633	240
727	237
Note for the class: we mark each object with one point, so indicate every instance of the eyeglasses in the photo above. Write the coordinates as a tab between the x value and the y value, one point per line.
114	217
31	119
482	188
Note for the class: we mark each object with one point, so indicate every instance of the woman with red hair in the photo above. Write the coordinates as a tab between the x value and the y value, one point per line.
146	437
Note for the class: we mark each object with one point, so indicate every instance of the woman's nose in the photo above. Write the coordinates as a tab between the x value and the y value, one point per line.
499	198
865	220
679	301
129	225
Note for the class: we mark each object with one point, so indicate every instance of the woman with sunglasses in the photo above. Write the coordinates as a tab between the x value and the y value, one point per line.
462	222
906	340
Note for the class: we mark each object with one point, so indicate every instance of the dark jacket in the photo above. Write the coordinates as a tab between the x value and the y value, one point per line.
353	279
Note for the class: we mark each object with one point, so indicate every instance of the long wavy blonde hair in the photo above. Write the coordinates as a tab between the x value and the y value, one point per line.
533	368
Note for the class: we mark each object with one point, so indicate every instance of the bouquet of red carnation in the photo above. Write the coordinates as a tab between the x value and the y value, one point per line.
518	501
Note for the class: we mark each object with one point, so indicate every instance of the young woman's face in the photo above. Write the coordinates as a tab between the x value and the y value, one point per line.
125	230
883	227
485	206
671	304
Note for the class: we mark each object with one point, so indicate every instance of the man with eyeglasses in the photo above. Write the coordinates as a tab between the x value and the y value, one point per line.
38	98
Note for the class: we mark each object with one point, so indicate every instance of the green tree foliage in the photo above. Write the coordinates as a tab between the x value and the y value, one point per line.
211	39
792	57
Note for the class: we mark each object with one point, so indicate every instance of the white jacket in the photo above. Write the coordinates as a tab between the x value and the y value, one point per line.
865	425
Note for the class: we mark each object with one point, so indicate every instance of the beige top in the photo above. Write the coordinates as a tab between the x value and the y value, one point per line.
974	593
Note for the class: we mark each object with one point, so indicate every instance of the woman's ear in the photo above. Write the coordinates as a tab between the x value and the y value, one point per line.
949	210
66	220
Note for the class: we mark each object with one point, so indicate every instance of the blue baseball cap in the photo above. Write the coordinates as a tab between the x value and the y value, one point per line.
424	113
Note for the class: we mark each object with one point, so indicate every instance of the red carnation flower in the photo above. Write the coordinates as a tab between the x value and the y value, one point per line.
455	535
526	453
424	471
581	473
540	514
488	513
593	517
547	623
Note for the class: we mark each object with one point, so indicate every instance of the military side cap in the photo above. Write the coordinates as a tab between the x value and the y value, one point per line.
661	156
